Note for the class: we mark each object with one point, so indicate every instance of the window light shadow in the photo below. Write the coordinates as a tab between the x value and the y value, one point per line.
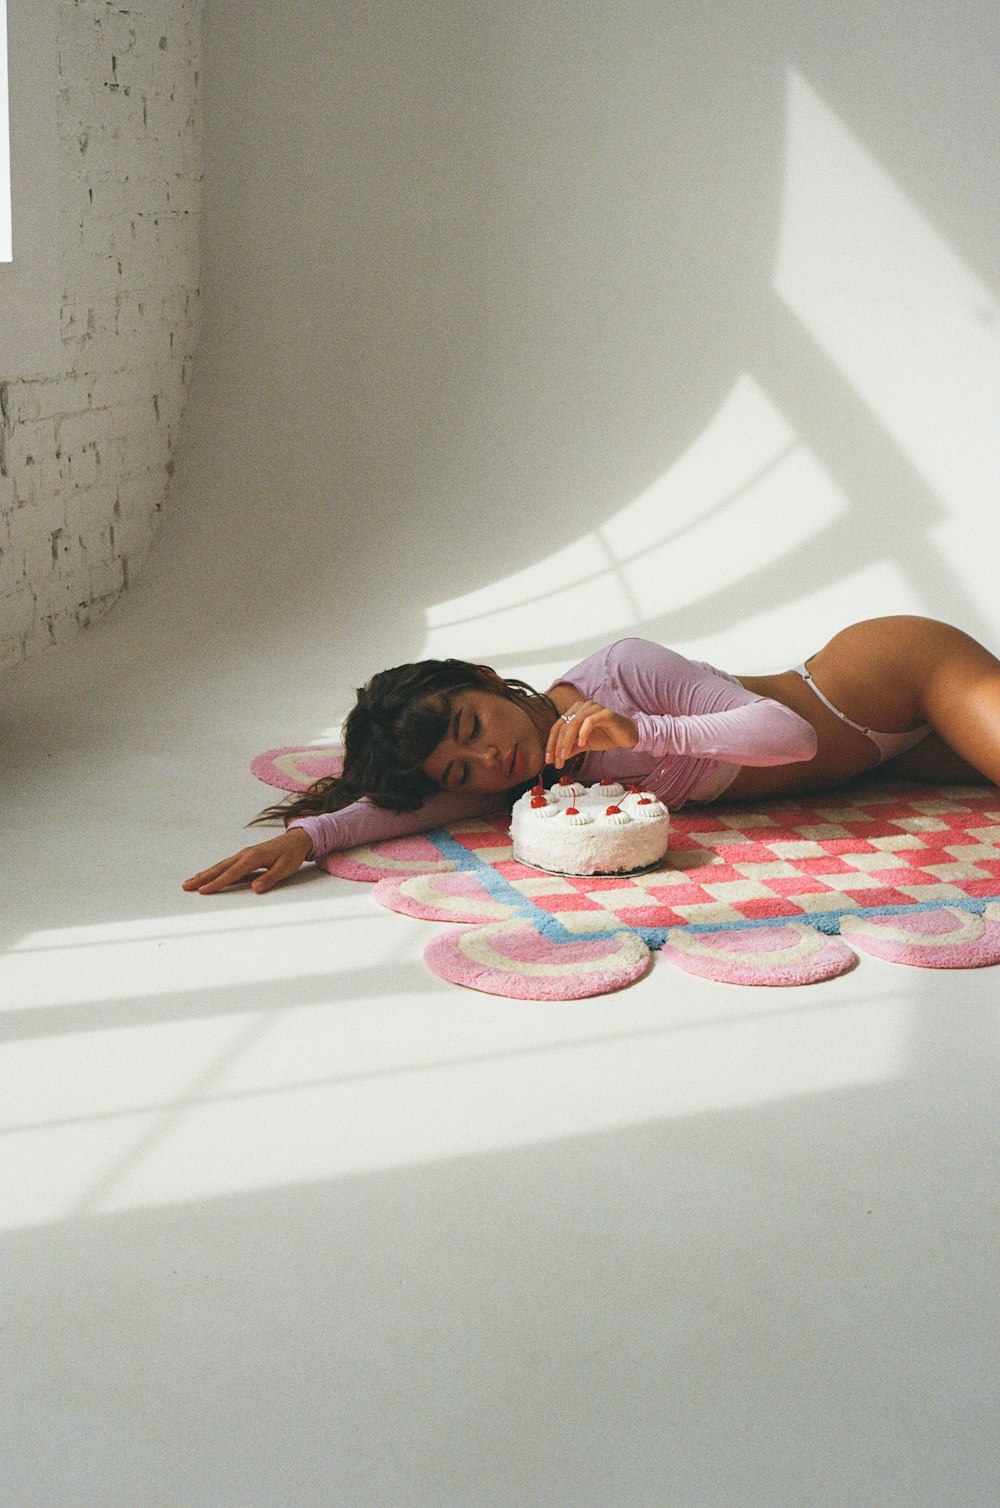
901	316
749	510
246	1114
235	1103
136	960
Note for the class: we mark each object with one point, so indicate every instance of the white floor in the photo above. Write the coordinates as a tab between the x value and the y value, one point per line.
288	1223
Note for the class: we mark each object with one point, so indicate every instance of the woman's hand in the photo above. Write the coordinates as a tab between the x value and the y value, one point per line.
278	858
587	726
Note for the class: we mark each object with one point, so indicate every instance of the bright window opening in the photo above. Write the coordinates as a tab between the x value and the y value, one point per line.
5	230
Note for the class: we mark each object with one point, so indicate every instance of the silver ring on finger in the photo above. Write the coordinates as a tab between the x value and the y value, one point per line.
568	717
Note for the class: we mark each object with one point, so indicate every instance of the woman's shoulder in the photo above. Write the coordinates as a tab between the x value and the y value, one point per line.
643	655
630	666
621	652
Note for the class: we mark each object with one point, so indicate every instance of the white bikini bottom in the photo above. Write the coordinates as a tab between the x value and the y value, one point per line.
721	777
887	744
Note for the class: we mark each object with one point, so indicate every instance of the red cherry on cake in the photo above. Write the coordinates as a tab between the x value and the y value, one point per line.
644	801
565	780
612	811
539	801
572	811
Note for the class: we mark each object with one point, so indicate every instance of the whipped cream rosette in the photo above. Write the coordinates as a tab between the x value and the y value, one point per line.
644	805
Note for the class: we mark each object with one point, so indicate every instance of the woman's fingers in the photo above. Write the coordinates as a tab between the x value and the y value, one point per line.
587	725
562	742
604	729
205	876
554	747
227	872
564	735
281	869
279	859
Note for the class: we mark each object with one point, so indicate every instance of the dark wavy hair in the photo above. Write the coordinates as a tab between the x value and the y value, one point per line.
400	717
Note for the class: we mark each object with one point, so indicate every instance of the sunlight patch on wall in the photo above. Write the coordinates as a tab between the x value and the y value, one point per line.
906	323
549	600
731	504
778	642
760	524
913	330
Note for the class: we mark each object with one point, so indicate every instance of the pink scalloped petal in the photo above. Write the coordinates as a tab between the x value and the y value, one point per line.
788	954
946	939
513	958
442	898
393	859
295	768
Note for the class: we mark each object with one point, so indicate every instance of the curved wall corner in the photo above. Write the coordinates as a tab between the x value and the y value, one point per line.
88	429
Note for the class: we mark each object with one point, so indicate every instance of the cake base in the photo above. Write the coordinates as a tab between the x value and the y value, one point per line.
591	874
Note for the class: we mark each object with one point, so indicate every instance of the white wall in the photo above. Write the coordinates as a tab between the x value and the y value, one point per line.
529	326
692	304
99	310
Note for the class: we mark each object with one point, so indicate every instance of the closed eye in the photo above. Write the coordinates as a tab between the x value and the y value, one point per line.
455	776
470	737
465	732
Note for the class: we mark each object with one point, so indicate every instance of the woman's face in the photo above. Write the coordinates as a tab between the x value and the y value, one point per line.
491	744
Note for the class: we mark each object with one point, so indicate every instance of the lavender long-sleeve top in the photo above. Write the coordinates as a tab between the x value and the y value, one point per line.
695	723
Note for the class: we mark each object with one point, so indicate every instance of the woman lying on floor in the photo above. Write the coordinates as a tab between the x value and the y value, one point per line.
441	741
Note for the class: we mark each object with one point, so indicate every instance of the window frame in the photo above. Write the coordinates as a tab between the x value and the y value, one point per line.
31	291
6	237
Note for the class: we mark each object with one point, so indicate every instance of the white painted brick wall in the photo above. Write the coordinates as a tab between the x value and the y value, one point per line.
86	453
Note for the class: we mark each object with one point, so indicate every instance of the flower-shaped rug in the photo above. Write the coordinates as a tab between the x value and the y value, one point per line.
775	893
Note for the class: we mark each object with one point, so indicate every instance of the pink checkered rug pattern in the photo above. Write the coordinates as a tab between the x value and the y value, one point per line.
774	893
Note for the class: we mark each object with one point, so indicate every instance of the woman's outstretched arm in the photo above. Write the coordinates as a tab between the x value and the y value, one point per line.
314	837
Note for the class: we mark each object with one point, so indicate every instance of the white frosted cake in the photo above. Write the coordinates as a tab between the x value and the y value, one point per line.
596	829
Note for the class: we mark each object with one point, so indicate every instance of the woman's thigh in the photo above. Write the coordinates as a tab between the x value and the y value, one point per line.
895	673
889	673
933	760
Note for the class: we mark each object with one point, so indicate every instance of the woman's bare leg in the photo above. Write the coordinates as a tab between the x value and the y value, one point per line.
894	673
932	760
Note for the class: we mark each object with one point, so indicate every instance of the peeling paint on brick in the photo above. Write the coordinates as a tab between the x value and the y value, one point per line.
86	453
